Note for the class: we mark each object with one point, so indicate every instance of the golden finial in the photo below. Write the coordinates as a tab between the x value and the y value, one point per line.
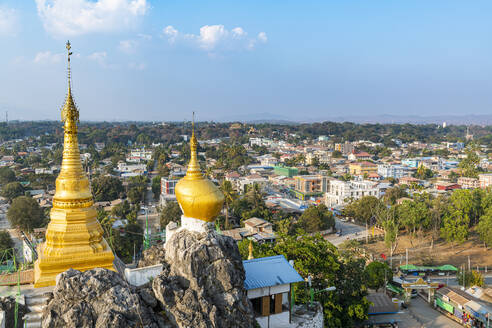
193	171
69	110
250	247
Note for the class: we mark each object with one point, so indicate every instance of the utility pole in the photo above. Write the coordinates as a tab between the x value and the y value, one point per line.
469	265
406	261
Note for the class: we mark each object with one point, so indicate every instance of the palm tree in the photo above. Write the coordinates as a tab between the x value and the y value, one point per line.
229	196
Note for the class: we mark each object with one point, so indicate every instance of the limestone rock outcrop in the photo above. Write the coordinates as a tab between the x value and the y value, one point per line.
201	286
204	284
7	304
97	298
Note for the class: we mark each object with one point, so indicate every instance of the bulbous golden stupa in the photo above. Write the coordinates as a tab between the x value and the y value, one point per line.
198	197
74	237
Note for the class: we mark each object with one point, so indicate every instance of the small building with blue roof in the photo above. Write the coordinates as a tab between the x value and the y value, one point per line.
268	282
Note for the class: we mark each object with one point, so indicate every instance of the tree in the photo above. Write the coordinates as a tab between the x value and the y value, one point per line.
156	186
377	274
107	188
316	218
313	256
393	194
484	227
457	221
414	215
470	163
128	240
5	241
170	212
364	208
25	214
6	175
469	278
336	154
229	196
12	190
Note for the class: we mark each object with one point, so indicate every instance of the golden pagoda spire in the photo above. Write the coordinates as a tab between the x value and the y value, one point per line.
250	247
74	237
193	171
198	197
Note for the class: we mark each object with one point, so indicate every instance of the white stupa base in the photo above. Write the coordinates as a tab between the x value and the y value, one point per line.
193	224
190	224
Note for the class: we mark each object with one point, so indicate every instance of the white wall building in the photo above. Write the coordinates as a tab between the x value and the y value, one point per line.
340	191
392	171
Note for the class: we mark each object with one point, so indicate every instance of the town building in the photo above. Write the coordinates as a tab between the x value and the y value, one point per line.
168	186
254	228
362	156
286	171
392	171
361	168
485	180
139	155
269	284
340	192
310	185
268	160
468	183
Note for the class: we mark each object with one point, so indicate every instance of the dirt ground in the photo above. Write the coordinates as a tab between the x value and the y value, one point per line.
420	252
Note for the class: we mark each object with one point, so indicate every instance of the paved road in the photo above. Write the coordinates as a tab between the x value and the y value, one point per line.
418	315
428	317
349	231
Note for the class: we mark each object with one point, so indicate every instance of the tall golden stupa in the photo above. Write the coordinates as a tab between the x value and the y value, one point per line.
74	238
199	198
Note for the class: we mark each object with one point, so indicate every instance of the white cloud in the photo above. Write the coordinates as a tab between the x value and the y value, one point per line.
8	21
137	66
262	37
76	17
128	46
48	57
99	57
213	38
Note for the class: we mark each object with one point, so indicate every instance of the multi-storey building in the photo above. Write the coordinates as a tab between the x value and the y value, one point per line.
309	185
485	180
340	192
392	171
468	183
138	155
361	168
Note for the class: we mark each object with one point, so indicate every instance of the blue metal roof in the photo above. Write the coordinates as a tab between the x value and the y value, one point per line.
269	271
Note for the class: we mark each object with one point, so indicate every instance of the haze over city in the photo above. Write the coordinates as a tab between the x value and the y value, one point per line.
244	60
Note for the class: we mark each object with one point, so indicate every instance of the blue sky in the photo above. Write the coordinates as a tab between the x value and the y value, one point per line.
161	60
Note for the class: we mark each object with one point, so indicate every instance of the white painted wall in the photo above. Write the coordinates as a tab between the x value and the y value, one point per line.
141	276
259	292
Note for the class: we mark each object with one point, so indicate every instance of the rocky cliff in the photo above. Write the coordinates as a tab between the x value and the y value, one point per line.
201	286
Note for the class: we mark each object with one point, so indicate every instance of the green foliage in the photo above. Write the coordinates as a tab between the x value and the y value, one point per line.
156	186
6	175
461	211
469	165
336	154
414	215
393	194
125	242
107	188
471	278
170	212
5	241
316	218
364	208
25	214
484	227
377	274
423	173
229	196
318	258
12	190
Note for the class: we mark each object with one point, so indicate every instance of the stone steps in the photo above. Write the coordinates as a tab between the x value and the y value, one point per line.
36	304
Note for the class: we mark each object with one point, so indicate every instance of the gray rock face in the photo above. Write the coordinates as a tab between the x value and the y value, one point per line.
7	304
96	298
201	286
154	255
204	285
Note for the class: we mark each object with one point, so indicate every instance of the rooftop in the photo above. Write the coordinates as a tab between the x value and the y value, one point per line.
268	272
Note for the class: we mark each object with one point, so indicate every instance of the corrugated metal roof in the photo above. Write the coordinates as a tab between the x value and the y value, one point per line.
268	272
